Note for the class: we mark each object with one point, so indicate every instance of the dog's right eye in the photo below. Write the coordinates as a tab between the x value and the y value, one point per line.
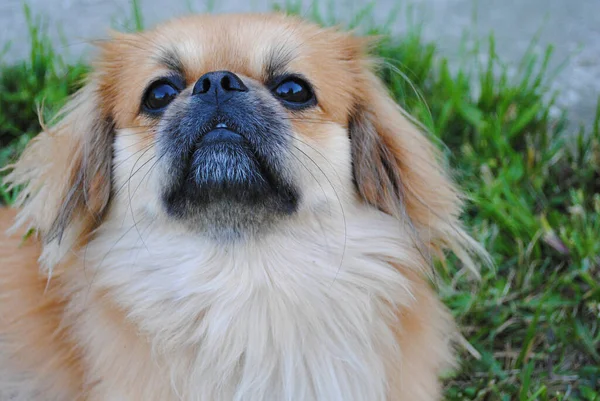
159	95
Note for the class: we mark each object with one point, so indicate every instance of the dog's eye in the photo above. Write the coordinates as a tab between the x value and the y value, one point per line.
159	95
295	92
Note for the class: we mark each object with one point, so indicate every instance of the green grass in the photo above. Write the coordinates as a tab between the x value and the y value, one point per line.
535	189
40	83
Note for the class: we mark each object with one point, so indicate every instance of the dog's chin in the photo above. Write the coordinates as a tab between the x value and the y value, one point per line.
227	189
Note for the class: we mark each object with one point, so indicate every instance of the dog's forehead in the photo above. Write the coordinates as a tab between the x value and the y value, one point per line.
250	44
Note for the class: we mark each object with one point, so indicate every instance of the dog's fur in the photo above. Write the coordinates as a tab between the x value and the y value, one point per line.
113	299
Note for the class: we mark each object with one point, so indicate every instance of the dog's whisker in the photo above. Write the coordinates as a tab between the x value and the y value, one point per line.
147	230
101	263
133	173
341	209
315	179
158	159
131	206
137	152
295	137
324	235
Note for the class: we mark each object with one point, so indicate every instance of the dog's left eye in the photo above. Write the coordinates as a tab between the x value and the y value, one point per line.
295	93
159	95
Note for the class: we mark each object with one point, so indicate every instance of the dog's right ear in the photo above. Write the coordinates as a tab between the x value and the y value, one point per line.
65	175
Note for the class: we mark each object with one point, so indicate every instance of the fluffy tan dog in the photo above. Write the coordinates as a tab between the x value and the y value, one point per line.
232	208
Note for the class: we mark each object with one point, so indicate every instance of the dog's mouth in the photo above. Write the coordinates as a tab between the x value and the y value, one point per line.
229	167
221	133
223	163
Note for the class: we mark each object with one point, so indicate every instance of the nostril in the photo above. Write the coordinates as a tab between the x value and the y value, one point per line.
202	86
205	85
226	83
231	82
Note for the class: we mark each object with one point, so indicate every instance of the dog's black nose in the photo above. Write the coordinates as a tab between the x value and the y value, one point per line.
218	86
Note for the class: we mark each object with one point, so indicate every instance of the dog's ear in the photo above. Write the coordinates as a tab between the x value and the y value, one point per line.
65	174
398	170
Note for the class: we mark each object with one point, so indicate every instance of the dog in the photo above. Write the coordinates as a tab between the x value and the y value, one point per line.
231	208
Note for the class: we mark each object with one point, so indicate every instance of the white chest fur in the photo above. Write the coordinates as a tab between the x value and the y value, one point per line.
300	315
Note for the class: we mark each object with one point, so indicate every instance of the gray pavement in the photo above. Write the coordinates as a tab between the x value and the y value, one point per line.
572	26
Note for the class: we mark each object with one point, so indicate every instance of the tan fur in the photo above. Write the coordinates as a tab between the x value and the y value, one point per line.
35	351
112	300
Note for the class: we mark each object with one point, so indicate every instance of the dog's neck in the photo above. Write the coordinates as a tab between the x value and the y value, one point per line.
305	308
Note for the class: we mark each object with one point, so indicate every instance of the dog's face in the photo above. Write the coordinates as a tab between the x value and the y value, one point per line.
234	112
231	125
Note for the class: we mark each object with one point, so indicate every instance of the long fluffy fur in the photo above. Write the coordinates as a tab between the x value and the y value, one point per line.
332	304
263	322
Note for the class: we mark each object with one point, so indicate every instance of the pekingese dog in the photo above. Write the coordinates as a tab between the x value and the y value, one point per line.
232	208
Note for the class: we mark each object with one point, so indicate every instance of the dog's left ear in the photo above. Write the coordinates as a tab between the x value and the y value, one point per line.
398	170
65	175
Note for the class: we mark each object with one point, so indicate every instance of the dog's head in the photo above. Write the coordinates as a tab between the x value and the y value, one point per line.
230	126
